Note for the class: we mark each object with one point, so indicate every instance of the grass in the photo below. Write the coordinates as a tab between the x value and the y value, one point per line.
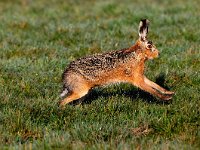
39	38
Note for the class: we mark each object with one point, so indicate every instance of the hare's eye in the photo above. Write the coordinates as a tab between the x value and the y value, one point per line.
149	46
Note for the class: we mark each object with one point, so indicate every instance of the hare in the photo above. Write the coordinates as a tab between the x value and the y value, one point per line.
126	65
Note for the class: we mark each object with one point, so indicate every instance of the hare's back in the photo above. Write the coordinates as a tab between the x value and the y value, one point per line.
96	64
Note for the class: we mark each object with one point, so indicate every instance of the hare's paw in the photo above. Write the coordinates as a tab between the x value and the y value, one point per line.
166	97
169	93
61	104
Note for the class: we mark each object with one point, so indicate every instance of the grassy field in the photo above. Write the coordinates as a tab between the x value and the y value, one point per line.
39	38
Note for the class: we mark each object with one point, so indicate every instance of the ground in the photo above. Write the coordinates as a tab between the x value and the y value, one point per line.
38	39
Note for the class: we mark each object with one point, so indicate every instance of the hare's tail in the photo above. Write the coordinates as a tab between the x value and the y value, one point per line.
64	92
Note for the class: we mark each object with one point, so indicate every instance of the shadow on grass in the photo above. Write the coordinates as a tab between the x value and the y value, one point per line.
48	114
132	93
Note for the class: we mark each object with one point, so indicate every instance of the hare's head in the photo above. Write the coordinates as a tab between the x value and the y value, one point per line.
148	48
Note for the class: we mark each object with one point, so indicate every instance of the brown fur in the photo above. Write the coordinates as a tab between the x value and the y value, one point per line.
126	65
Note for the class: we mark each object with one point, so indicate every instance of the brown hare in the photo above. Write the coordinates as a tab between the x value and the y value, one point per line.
126	65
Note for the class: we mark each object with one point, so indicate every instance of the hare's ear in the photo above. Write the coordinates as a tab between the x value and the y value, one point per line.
143	29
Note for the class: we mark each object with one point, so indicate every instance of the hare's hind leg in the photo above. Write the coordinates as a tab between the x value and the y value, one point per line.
73	96
157	87
77	87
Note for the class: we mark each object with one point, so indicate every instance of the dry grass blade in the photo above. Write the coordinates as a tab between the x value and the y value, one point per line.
142	130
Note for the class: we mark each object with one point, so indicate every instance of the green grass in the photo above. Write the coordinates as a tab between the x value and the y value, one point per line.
39	38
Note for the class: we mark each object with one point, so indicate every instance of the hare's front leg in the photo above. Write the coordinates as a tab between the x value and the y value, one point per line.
157	87
146	87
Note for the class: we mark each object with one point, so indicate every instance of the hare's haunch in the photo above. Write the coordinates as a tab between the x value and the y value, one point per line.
126	65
